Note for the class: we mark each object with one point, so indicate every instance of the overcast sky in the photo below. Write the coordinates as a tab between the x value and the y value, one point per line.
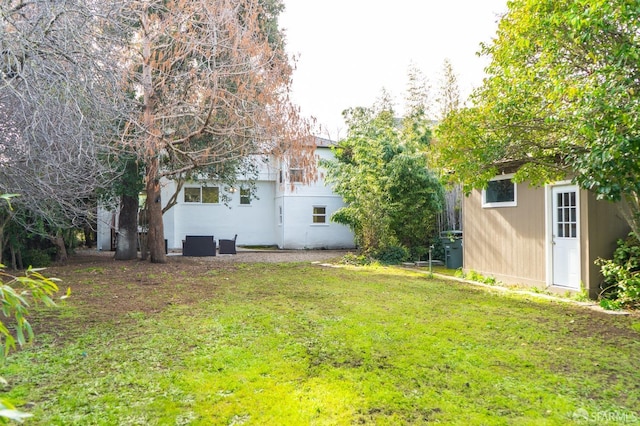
349	50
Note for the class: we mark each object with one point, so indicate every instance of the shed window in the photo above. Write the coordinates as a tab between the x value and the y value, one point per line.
500	192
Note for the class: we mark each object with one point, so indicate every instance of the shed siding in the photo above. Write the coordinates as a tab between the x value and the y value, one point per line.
605	226
509	243
506	242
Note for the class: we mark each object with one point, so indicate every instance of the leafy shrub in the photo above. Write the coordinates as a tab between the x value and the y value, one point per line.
610	305
37	258
16	295
622	274
392	255
419	253
489	280
354	259
474	276
438	249
477	277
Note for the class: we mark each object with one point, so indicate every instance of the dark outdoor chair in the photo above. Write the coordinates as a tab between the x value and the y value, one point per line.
228	246
199	245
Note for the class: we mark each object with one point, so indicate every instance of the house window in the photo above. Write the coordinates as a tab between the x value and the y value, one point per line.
295	175
245	196
192	195
280	215
208	195
319	214
500	192
211	195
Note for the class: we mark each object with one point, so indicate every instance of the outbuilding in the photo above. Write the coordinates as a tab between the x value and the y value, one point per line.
547	237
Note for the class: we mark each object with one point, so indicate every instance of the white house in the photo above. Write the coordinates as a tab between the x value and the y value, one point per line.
282	213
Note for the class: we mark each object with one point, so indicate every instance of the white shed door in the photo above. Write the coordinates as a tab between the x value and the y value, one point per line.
566	237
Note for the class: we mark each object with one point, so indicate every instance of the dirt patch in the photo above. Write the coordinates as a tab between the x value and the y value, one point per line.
106	290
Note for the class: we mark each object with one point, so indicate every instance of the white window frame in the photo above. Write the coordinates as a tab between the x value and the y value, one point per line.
201	196
184	194
315	215
209	187
247	196
296	174
498	204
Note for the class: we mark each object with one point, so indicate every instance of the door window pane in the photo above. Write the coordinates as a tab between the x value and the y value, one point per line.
566	215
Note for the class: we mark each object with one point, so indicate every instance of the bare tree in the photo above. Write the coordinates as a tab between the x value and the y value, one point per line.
448	101
212	89
418	94
209	83
59	106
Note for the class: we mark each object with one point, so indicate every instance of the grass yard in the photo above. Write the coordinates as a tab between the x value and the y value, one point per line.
192	343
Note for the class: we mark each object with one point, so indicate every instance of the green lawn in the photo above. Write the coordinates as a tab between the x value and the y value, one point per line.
298	344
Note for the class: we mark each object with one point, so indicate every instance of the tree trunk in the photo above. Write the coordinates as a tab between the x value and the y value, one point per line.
61	248
89	236
14	262
155	234
127	241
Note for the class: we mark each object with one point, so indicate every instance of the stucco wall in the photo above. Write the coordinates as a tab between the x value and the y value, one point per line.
253	223
298	230
297	201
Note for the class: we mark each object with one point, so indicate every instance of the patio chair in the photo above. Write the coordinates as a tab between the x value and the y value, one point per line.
199	245
228	246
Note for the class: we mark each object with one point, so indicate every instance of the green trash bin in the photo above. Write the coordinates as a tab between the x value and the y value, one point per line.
452	242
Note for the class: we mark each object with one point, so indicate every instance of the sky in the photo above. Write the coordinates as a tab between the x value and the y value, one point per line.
348	51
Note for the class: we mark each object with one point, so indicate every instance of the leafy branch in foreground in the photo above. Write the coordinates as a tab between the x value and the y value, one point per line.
15	294
9	412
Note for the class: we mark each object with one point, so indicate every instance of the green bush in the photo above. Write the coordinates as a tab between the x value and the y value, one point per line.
622	274
475	276
438	249
354	259
37	258
392	255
